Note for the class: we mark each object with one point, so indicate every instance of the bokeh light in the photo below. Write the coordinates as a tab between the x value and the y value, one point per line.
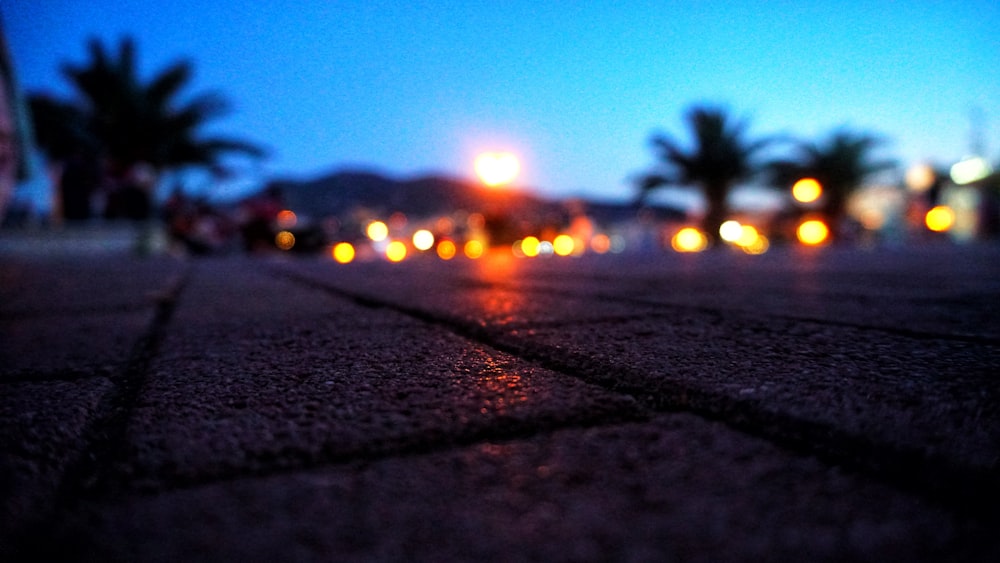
529	246
689	239
940	218
920	177
600	244
284	240
287	219
812	232
377	231
423	240
473	249
730	230
970	169
446	250
748	236
396	251
563	245
760	245
343	252
806	190
497	168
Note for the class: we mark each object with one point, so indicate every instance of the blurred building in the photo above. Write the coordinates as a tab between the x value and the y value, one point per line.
15	132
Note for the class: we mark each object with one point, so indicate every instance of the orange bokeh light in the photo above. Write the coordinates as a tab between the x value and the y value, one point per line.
284	240
446	250
474	249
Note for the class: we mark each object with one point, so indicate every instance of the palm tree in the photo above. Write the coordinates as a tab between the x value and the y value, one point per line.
840	163
719	157
129	122
139	122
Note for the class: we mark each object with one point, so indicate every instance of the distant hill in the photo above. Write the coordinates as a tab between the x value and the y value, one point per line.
345	192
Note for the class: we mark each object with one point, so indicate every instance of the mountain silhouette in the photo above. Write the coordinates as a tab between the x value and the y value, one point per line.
346	192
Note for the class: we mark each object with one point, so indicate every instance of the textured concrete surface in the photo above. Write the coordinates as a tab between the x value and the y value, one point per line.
838	405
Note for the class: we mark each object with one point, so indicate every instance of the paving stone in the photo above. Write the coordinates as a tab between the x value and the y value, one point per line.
43	430
675	488
307	378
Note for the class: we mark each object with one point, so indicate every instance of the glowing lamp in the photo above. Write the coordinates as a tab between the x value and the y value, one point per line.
343	252
806	190
730	231
473	249
497	168
530	246
446	250
812	232
396	251
563	245
377	231
940	219
689	239
970	169
284	240
423	240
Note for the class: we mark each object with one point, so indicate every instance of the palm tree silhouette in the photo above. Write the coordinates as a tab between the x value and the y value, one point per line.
840	163
720	156
139	122
128	122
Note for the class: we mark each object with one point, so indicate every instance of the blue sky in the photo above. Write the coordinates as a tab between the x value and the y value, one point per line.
575	88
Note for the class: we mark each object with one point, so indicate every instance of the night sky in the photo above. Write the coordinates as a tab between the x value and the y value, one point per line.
575	88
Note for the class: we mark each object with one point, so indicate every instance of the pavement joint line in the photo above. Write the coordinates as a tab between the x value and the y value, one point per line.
904	332
116	309
895	331
76	374
260	467
104	437
958	488
104	434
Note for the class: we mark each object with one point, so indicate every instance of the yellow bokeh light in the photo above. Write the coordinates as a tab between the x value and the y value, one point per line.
600	244
563	245
343	252
446	250
689	239
395	251
473	249
760	245
807	190
748	236
812	232
423	239
377	231
497	168
940	219
530	246
284	240
730	231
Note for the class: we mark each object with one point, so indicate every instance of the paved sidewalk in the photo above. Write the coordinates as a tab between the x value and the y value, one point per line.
833	405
